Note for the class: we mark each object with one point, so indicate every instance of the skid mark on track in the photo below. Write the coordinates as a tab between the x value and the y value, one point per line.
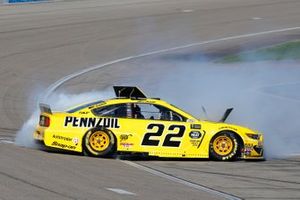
36	186
7	130
7	135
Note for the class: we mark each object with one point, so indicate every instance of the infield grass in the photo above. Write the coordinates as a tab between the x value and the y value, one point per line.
284	51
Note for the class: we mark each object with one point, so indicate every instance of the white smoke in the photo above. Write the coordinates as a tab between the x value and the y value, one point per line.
24	135
62	100
265	97
58	102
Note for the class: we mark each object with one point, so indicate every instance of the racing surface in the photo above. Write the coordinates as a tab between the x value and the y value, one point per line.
42	43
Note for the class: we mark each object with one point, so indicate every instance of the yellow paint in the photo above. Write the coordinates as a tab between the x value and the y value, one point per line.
130	133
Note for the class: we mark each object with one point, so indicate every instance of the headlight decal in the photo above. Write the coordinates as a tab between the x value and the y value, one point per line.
253	136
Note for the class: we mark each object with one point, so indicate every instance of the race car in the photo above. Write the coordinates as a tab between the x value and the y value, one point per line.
132	123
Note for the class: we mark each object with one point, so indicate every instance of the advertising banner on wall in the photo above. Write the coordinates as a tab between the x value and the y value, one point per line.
24	1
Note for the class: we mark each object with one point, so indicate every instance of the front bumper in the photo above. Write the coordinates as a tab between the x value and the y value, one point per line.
253	149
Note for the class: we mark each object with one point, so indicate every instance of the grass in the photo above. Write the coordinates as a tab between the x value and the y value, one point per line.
285	51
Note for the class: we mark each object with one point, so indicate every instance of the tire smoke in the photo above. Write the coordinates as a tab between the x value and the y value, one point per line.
58	102
265	97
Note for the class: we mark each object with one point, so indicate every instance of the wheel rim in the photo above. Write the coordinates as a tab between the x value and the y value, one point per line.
223	145
99	140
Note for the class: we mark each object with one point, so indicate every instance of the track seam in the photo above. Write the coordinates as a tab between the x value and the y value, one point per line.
238	176
182	181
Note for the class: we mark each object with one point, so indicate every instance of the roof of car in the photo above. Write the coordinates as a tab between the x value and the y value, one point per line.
97	104
125	94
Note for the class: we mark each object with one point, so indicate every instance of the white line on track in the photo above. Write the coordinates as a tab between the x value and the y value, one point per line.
61	81
256	18
121	191
181	181
7	140
187	10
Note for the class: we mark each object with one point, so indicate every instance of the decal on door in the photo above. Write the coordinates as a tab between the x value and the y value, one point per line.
174	131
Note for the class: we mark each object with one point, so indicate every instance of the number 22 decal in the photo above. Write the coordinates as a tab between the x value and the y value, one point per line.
167	141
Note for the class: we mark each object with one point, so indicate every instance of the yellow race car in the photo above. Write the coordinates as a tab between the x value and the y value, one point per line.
133	123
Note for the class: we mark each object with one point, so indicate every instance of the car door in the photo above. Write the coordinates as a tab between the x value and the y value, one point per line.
159	131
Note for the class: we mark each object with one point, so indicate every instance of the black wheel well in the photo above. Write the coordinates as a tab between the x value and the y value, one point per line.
237	136
116	140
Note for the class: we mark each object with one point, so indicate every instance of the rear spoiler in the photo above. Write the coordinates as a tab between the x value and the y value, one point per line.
45	108
226	114
129	92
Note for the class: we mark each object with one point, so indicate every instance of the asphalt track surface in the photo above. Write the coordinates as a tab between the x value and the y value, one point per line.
42	43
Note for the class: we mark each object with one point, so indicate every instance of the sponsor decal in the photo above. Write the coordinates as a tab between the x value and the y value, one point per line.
195	126
124	137
248	148
75	141
227	127
97	105
126	144
59	137
84	112
67	139
63	146
92	122
195	143
248	145
195	134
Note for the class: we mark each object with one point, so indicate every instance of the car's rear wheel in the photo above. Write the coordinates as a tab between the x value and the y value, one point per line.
99	142
224	146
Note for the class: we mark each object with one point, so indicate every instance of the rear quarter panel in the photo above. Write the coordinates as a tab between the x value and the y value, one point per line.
62	136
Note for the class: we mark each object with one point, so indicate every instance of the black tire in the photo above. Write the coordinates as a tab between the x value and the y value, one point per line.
224	146
99	142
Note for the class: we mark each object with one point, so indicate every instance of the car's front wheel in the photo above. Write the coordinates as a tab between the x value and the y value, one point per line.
224	146
99	142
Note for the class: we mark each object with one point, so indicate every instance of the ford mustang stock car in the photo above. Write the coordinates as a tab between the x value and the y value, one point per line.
133	123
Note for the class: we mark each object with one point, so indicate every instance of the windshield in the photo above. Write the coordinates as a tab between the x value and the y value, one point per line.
83	106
